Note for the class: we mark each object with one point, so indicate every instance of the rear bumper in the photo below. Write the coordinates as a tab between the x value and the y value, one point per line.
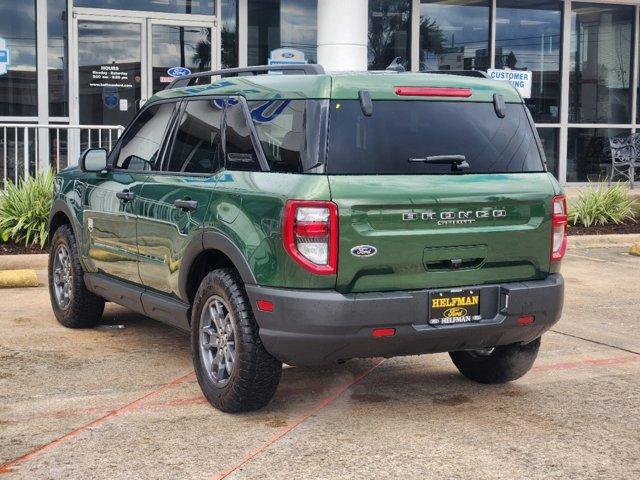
310	327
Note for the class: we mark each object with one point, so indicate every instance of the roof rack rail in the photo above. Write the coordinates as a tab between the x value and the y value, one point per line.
305	69
462	73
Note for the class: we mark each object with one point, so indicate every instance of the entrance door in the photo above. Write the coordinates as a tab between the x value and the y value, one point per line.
122	61
110	70
176	48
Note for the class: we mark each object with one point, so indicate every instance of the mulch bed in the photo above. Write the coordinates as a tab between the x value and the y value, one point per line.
627	227
14	249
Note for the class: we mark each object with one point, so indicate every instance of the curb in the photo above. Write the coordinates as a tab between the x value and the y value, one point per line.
18	278
35	261
599	241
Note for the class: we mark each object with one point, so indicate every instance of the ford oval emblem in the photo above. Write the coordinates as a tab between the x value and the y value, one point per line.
364	251
178	71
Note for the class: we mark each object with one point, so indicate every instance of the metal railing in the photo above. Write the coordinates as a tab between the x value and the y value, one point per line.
27	148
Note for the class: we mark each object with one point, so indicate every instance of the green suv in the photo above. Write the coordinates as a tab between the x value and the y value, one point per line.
287	215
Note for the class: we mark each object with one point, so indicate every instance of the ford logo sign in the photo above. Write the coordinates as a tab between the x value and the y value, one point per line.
178	71
364	251
455	312
288	55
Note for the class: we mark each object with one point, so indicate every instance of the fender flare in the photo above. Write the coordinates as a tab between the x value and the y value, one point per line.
60	206
211	240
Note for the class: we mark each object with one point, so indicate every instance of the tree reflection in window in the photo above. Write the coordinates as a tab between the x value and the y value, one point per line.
389	33
454	35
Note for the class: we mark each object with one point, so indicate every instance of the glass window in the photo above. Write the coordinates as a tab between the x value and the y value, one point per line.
57	58
229	33
550	139
110	76
280	126
600	78
389	33
237	136
175	46
454	35
299	27
528	37
197	144
141	142
588	153
18	79
274	24
201	7
420	129
263	30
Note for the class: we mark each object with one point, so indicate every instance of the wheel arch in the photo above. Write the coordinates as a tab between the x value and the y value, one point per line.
207	252
61	215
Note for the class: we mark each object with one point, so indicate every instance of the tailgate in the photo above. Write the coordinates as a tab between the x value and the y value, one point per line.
430	231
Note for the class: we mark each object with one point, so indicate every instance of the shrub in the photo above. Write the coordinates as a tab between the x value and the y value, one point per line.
602	205
24	210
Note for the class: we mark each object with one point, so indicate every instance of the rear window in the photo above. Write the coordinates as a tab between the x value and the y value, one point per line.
398	131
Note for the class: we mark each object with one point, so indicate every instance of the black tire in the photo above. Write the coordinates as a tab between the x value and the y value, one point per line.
84	309
503	364
254	374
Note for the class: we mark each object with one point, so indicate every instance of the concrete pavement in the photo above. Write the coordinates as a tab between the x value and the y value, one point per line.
121	401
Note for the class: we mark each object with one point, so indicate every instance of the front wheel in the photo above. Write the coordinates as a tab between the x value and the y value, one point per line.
73	305
235	372
498	364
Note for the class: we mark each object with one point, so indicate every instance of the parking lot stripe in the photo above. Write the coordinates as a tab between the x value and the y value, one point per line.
595	341
285	430
7	467
593	362
600	260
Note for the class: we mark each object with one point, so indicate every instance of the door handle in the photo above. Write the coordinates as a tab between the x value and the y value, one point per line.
186	205
126	195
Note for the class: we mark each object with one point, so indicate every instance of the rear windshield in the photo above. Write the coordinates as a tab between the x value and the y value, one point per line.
398	131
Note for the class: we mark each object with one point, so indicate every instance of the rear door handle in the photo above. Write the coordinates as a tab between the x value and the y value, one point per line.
187	205
126	195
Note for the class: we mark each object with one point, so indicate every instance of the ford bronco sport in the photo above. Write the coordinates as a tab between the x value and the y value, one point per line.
304	217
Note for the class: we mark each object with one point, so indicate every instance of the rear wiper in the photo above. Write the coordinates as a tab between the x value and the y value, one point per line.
457	162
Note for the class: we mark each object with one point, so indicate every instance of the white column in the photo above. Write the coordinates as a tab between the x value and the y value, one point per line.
342	34
564	95
243	28
415	36
42	155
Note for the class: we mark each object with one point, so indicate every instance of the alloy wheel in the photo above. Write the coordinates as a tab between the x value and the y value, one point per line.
62	277
217	340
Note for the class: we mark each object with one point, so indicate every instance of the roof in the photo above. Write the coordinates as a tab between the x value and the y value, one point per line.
344	86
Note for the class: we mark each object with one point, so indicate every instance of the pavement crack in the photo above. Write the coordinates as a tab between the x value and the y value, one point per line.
595	341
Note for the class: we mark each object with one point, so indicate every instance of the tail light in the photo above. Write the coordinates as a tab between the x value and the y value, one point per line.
310	235
558	228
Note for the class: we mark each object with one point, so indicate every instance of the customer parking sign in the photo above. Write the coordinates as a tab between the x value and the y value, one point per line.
520	79
4	56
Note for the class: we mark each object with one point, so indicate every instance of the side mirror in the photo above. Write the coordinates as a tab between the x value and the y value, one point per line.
93	160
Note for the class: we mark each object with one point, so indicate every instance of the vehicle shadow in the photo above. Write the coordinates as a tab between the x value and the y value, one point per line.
423	379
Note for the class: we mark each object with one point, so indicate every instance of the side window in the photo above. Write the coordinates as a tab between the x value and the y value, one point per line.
141	144
281	128
197	147
238	145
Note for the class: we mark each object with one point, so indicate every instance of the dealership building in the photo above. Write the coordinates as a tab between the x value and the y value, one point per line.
93	63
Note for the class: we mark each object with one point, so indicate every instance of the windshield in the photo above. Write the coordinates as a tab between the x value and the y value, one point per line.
400	134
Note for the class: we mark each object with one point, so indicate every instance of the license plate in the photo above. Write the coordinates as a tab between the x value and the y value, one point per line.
455	306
